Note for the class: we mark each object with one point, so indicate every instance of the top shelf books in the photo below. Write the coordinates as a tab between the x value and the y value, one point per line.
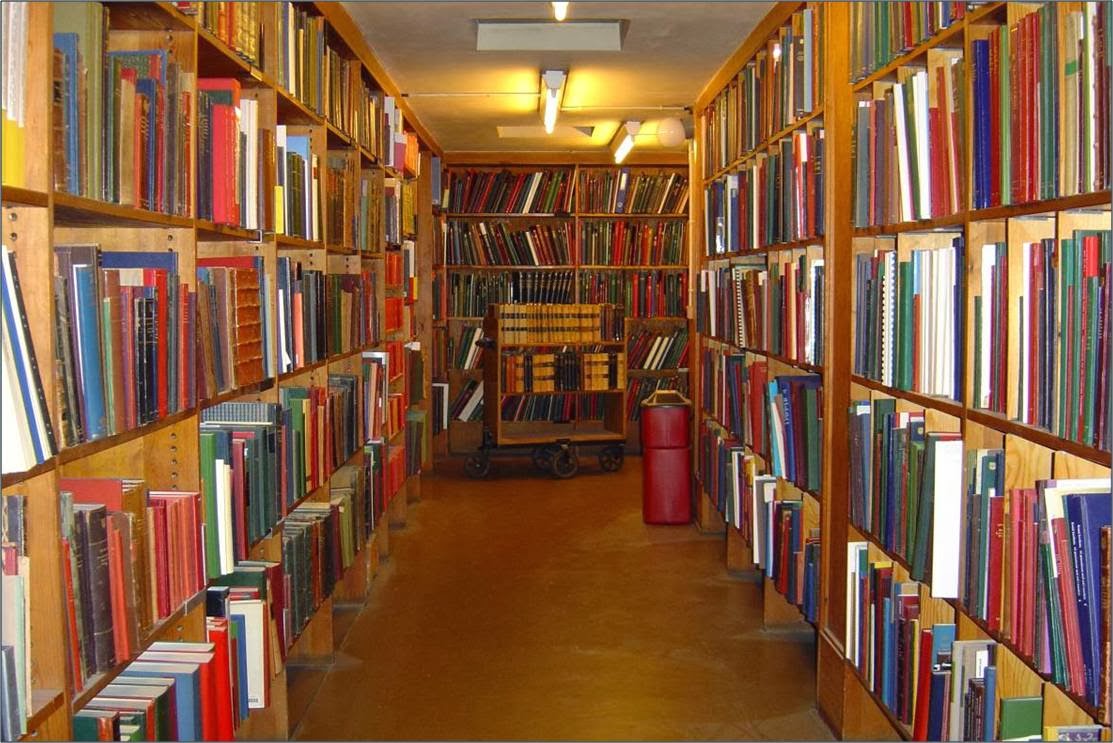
611	191
779	86
881	32
505	192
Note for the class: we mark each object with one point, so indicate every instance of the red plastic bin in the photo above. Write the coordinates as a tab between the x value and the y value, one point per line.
666	459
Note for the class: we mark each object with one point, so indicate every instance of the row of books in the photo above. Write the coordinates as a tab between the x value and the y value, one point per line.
632	242
909	149
233	327
468	403
779	85
562	370
297	185
909	322
399	203
609	191
1041	105
131	556
470	293
942	687
463	349
300	45
568	407
643	293
237	24
15	18
638	389
504	192
548	324
647	349
122	130
775	197
353	321
301	312
1032	566
879	33
782	547
472	243
766	305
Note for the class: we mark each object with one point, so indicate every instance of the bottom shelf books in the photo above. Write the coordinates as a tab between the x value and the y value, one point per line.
941	687
468	405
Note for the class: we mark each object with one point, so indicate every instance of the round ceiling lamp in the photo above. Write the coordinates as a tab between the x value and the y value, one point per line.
670	132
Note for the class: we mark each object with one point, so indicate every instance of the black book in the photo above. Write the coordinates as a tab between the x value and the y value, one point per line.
91	522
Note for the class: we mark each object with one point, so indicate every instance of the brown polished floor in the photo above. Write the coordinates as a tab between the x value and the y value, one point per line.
525	607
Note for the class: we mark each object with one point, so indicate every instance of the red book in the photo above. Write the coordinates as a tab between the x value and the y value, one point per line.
1068	603
217	633
116	591
157	278
996	547
923	687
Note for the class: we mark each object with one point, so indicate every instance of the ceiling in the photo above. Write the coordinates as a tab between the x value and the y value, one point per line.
670	51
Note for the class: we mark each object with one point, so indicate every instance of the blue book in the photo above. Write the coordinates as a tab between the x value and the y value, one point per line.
888	653
187	692
156	259
1085	515
66	43
239	632
89	350
990	715
26	369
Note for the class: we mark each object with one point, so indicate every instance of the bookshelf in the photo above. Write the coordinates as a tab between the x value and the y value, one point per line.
590	247
982	209
358	148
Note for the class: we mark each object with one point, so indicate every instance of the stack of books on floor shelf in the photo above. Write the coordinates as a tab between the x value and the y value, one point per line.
560	235
208	426
901	358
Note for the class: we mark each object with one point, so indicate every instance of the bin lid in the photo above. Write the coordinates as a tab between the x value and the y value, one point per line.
666	398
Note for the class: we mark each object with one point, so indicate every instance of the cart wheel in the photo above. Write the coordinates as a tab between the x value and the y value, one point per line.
477	466
565	463
610	459
543	458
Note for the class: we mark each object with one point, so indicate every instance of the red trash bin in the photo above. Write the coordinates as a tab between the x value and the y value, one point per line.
666	459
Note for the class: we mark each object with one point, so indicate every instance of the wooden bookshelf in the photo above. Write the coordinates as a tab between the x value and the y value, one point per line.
578	168
164	452
845	699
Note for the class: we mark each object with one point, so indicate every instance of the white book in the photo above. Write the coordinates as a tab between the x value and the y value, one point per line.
888	316
1024	333
903	170
985	322
946	541
224	542
472	403
254	613
923	152
653	361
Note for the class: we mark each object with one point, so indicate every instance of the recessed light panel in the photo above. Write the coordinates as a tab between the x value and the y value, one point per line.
546	36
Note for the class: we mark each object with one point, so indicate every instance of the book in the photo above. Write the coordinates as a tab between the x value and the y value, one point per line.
621	191
480	243
642	293
641	242
504	192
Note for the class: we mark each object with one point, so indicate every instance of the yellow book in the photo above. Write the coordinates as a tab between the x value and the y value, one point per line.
279	211
13	152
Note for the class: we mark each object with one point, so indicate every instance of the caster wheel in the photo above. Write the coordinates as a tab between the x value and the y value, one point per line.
565	463
610	459
543	458
477	466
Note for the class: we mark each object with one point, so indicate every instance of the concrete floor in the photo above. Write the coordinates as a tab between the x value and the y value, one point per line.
525	607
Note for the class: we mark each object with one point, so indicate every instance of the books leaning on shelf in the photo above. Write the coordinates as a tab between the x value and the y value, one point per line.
302	314
610	191
374	370
469	293
464	350
775	89
136	150
531	324
1031	569
503	192
909	149
233	328
909	326
1063	375
350	306
640	242
28	431
1041	106
13	98
905	489
657	351
881	33
477	243
647	293
639	389
297	190
301	47
234	184
130	558
124	325
468	405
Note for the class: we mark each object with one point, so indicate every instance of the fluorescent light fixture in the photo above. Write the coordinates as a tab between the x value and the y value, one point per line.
560	11
552	88
623	140
548	36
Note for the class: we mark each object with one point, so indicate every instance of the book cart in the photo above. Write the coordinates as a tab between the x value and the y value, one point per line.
556	380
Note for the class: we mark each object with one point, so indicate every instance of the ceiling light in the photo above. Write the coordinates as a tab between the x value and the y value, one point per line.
546	36
623	140
560	11
552	88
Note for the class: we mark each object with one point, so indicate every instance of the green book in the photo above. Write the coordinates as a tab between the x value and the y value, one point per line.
812	431
925	513
1021	718
915	472
1066	248
1006	116
904	326
977	351
208	499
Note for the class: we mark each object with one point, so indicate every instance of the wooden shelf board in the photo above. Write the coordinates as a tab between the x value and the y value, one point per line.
942	38
507	215
503	269
904	731
209	231
554	393
952	222
766	143
1094	200
290	241
804	242
250	389
97	683
78	210
217	59
14	478
630	267
938	403
73	453
293	111
632	215
601	437
340	250
1039	436
44	703
158	16
574	344
19	196
287	376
